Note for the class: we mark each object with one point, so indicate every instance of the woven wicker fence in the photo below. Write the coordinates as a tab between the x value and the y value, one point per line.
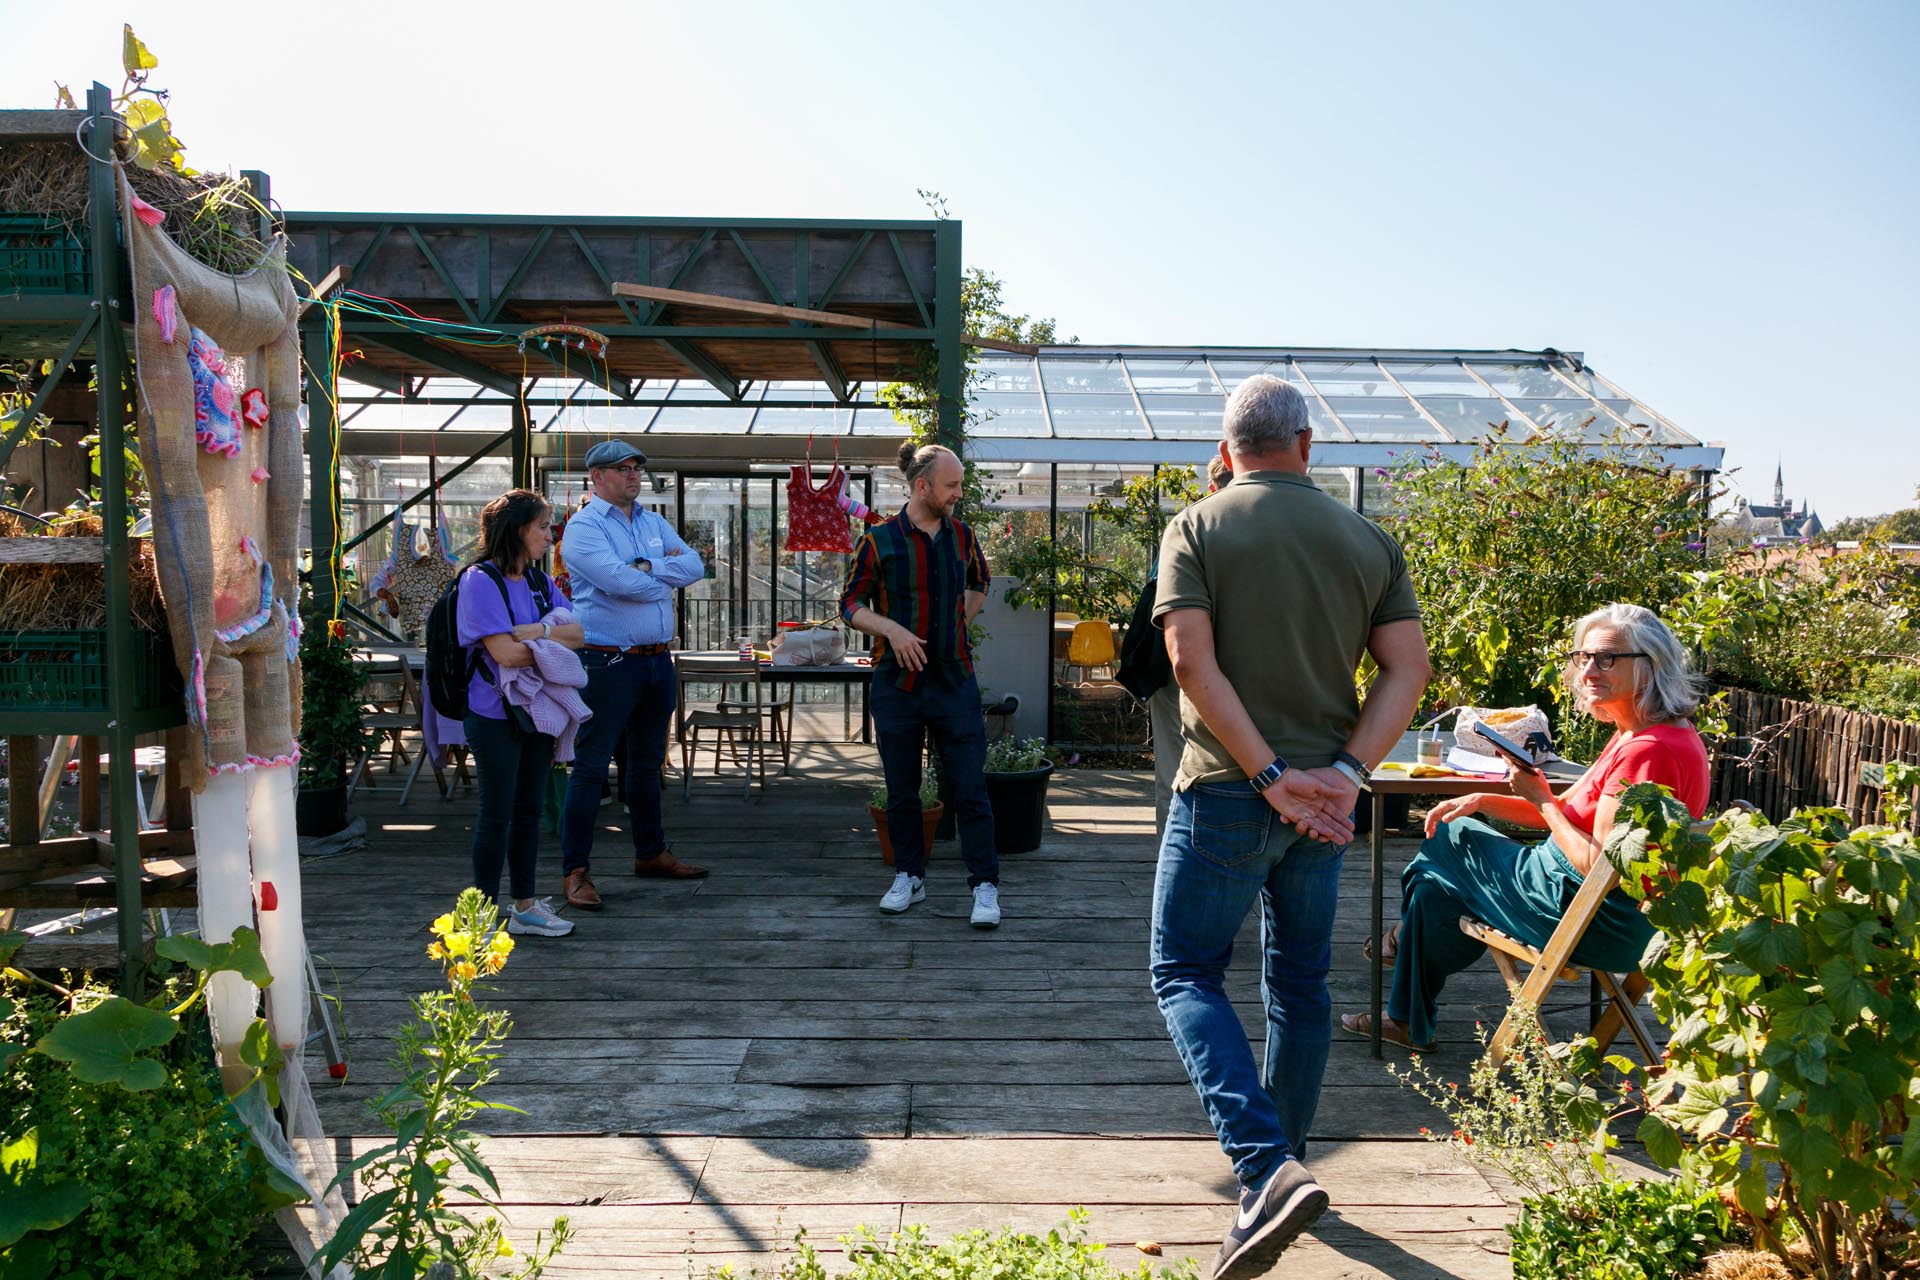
1782	754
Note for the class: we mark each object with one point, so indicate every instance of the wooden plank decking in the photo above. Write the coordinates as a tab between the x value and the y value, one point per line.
705	1067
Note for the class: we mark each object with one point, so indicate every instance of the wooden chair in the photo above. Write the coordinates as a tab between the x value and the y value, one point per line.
1553	963
406	714
777	707
744	726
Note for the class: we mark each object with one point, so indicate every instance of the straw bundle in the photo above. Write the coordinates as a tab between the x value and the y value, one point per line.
71	597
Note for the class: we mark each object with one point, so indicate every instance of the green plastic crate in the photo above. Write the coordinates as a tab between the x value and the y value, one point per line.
67	671
40	255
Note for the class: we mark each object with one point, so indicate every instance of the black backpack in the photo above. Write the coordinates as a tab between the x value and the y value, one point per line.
1144	666
450	664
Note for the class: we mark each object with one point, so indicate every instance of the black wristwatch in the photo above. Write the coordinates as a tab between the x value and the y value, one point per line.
1354	767
1267	776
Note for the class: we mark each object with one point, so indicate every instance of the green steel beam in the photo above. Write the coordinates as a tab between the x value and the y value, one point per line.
829	372
373	247
697	360
365	373
950	331
296	220
103	204
906	274
446	278
606	277
889	331
840	276
484	451
323	489
59	370
521	471
659	309
520	270
448	362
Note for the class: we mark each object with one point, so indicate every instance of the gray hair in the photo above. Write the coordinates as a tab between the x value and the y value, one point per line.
1265	415
1670	689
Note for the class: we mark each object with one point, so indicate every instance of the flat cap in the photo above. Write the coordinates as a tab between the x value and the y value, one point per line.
611	453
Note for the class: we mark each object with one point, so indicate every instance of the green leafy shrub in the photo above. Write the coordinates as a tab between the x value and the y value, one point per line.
331	732
123	1157
1064	1253
1618	1230
1787	971
1102	580
929	791
403	1225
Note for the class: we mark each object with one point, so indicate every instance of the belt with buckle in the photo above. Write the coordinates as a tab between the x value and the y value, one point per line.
638	650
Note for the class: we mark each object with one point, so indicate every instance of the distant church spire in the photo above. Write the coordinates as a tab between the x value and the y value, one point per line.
1779	486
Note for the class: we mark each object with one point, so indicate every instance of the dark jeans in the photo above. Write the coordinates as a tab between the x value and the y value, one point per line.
902	721
512	771
635	694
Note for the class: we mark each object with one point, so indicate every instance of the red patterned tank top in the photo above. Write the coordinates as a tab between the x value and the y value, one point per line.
815	520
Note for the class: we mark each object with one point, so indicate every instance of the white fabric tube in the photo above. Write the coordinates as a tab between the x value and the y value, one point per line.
276	883
226	903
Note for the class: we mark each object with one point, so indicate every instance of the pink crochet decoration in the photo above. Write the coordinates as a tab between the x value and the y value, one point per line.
165	312
260	475
146	212
253	407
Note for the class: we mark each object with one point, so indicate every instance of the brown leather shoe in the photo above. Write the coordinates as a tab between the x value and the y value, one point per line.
664	866
580	890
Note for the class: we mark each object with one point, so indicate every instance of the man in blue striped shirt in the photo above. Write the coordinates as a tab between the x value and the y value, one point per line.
917	581
625	562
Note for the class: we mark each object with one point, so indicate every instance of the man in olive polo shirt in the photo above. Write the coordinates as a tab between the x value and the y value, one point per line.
1270	592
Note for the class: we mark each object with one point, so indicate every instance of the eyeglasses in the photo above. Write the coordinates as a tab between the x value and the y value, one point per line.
626	469
1604	661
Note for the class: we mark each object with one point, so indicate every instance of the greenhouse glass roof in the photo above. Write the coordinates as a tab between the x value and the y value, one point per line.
1122	405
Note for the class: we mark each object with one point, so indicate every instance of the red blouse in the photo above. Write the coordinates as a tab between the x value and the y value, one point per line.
1671	755
815	519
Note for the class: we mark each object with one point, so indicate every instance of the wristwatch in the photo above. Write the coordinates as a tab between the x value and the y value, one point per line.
643	565
1354	767
1267	776
546	631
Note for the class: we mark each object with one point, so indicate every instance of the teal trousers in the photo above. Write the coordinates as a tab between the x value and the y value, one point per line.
1468	868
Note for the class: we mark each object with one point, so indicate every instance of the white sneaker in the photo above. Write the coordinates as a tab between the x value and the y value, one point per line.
986	906
538	920
906	891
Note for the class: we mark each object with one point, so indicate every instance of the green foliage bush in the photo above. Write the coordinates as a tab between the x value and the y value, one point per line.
171	1177
1064	1253
1787	969
1619	1230
331	733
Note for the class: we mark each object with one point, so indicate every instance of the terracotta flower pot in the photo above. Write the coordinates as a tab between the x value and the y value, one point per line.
929	820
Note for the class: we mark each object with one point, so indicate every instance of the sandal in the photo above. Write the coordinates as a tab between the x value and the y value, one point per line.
1361	1024
1390	951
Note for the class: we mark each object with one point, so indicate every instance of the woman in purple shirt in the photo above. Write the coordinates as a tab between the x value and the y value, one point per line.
503	597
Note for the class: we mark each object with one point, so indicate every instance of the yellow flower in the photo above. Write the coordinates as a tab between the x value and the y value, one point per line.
435	951
504	1249
465	971
443	925
501	944
459	944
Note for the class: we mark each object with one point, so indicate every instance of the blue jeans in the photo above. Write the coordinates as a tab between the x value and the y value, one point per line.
1225	847
636	694
902	720
512	773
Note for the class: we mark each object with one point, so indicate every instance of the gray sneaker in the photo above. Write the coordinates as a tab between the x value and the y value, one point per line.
986	907
906	891
1268	1221
538	920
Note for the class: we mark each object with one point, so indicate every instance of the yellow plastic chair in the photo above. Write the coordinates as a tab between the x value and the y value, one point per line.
1091	645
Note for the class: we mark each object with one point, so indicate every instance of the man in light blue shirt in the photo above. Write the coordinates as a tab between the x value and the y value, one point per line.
624	562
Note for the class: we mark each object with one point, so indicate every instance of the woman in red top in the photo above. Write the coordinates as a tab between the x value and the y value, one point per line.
1626	670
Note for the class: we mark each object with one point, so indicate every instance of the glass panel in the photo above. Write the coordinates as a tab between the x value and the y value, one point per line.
1234	372
1336	482
1565	416
1108	416
1347	378
821	421
1468	418
1075	375
715	524
1001	414
1378	418
1435	378
1184	417
1189	377
1519	382
1004	373
1324	427
703	419
878	422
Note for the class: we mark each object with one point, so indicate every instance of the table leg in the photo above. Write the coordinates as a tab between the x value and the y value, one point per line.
1376	849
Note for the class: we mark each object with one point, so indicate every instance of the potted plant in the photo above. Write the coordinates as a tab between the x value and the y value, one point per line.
1017	773
930	811
331	734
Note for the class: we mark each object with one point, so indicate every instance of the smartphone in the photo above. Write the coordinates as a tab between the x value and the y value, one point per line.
1508	748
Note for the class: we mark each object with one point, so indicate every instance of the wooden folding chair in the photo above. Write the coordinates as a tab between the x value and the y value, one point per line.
1553	963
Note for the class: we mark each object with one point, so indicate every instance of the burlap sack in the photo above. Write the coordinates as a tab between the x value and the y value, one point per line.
1515	724
810	647
225	524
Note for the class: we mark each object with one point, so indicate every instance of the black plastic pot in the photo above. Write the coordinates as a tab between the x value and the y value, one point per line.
1019	807
320	811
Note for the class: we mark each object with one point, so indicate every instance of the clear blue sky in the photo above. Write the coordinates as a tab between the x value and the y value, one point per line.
1716	203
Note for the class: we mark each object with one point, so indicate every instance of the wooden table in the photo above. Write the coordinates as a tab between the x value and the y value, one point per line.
1559	772
847	671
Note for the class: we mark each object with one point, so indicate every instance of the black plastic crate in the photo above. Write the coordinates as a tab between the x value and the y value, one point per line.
67	671
41	256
